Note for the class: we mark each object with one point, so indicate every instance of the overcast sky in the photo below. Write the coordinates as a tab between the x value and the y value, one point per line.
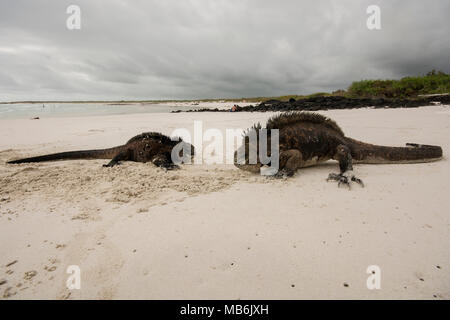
161	49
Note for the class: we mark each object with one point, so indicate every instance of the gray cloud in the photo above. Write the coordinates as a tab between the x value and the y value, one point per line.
212	48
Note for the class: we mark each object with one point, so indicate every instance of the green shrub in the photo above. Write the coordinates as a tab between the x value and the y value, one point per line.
431	83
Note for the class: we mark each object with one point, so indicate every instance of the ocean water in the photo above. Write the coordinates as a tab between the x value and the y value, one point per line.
51	110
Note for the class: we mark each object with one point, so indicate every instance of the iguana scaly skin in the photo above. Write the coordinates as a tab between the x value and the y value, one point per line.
147	147
306	139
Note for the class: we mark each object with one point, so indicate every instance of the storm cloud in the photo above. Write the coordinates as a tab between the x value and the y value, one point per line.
172	49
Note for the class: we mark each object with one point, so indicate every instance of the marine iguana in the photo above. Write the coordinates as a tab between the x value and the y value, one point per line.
306	139
146	147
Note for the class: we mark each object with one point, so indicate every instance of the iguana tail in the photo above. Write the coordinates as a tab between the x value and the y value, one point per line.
73	155
412	153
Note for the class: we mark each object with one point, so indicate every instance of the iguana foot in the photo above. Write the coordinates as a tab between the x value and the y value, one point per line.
170	166
344	178
283	173
111	164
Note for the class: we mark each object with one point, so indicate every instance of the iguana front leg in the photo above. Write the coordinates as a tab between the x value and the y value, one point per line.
346	175
122	156
163	162
290	161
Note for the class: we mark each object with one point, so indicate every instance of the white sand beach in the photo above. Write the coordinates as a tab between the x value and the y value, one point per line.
213	231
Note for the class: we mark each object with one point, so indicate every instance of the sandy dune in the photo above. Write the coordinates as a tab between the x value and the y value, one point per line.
213	231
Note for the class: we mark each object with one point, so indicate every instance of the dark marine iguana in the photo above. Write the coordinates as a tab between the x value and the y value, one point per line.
146	147
306	139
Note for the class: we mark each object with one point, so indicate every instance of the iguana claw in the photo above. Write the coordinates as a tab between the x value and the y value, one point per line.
111	164
359	181
171	167
343	178
283	173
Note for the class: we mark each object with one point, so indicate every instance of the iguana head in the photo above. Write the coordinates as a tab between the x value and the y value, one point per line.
190	147
187	147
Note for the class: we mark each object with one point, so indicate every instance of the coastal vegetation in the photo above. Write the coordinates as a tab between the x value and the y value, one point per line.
434	82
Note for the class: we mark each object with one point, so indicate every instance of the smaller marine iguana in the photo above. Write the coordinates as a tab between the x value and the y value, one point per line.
306	139
147	147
